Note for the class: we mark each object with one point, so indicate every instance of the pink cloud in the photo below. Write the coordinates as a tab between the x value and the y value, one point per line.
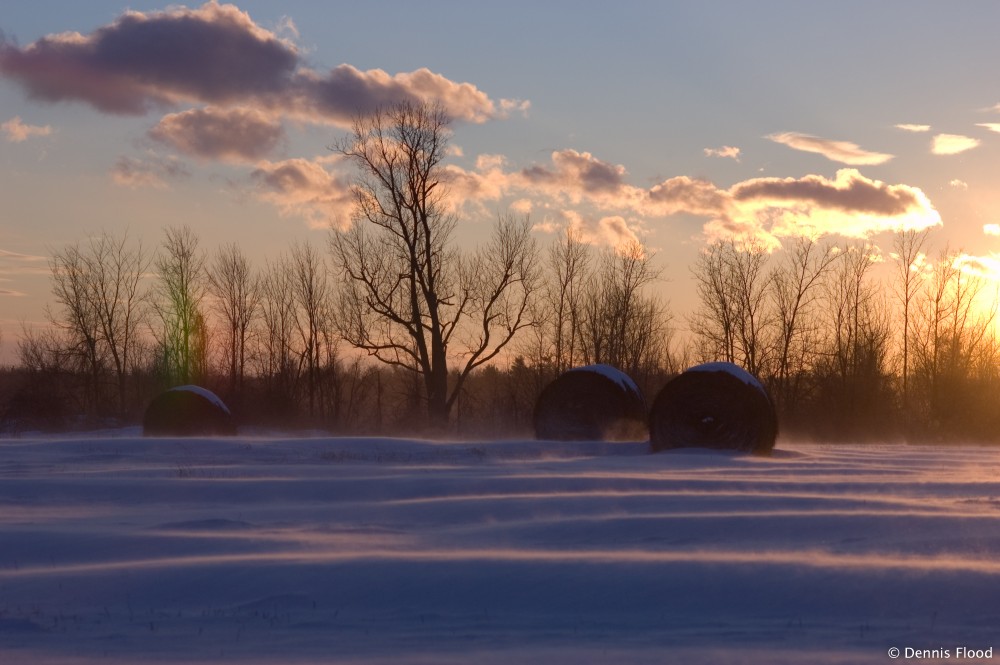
306	189
18	131
223	134
837	151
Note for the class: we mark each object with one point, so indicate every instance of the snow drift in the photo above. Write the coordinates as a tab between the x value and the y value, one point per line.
375	551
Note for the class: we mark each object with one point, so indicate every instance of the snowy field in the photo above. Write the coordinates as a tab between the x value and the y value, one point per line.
124	550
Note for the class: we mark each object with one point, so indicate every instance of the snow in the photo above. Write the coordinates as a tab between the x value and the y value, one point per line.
613	373
204	392
121	549
729	368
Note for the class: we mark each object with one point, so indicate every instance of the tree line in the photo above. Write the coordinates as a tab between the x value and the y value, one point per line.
390	327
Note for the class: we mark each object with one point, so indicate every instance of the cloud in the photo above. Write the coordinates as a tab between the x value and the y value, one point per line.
306	189
979	266
991	229
6	255
726	151
345	91
143	61
152	172
850	205
768	209
992	126
575	174
913	128
613	231
837	151
952	144
959	184
17	131
15	263
509	106
683	194
234	135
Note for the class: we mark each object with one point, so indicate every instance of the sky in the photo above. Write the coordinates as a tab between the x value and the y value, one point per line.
673	123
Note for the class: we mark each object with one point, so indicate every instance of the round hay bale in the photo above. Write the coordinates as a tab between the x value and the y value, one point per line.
595	402
715	405
187	411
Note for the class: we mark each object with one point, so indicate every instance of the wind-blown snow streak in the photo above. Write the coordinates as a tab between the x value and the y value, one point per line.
122	549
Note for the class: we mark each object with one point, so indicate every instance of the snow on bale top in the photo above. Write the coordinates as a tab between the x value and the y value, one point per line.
737	371
715	405
596	402
187	411
613	373
206	393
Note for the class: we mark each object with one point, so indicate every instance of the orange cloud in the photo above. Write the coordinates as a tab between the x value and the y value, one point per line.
914	128
848	205
979	266
726	151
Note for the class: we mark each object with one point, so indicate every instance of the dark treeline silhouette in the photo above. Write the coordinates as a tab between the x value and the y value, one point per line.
846	355
389	328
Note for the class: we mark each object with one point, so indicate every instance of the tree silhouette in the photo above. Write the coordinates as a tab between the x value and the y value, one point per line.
408	296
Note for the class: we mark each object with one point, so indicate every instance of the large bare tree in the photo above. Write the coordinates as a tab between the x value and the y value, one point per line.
409	297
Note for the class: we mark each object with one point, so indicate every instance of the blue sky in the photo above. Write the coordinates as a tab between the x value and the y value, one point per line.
673	123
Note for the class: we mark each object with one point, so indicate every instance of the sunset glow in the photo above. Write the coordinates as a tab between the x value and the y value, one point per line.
220	116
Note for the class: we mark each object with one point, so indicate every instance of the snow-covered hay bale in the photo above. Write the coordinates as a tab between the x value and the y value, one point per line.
595	402
187	411
715	405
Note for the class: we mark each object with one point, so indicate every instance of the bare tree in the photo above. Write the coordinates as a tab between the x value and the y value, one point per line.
181	288
909	250
951	343
311	296
714	322
854	368
117	271
796	289
569	265
733	321
408	293
277	309
621	324
237	295
78	317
